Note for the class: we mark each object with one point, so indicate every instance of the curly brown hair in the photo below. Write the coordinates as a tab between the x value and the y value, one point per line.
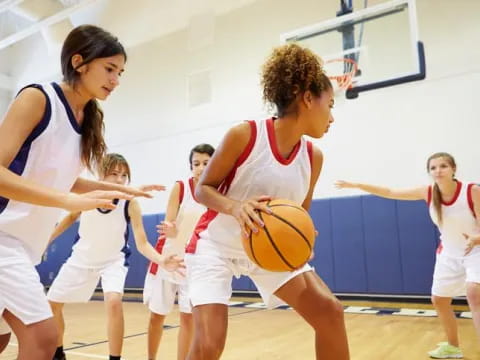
290	71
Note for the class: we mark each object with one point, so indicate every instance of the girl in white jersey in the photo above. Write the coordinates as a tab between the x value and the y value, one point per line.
453	207
257	160
101	252
183	212
49	134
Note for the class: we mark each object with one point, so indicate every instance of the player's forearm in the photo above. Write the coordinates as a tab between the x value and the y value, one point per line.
147	250
20	189
212	199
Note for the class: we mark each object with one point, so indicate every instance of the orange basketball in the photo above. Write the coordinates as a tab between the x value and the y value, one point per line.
286	241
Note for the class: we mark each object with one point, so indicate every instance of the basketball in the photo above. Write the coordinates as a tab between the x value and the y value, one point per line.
286	241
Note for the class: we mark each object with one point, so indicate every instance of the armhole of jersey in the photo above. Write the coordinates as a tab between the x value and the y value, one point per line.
125	211
470	200
248	149
42	125
181	192
310	152
429	195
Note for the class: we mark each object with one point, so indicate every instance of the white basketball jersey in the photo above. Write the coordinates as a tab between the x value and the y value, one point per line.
50	156
102	237
457	219
189	212
260	170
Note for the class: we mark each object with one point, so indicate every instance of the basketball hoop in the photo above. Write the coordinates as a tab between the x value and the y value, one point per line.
346	67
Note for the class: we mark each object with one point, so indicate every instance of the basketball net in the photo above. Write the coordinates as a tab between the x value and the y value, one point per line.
341	72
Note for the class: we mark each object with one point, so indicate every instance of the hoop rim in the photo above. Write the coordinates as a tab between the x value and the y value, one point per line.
344	81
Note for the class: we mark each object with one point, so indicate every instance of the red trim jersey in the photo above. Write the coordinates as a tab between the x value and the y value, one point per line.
260	170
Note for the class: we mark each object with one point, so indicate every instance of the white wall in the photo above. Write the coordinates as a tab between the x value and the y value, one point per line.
5	97
384	136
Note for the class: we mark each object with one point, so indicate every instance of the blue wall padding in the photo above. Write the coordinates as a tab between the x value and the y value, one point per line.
321	215
382	248
418	241
348	245
366	245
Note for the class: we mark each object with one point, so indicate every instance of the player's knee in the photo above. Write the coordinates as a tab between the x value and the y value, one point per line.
46	343
156	319
473	296
329	312
115	306
210	349
439	301
211	346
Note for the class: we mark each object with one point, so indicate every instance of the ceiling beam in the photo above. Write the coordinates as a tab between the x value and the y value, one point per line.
59	16
8	4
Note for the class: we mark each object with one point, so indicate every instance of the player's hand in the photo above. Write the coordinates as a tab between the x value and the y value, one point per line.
341	184
173	263
246	213
472	241
93	199
167	228
151	187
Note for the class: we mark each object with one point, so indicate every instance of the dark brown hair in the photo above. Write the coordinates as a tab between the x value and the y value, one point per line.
91	42
436	193
201	149
288	73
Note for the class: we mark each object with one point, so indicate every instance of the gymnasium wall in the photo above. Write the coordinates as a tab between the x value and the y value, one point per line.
383	137
366	245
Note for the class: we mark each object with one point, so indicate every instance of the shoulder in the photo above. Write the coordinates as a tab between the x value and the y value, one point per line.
476	191
317	154
133	207
241	132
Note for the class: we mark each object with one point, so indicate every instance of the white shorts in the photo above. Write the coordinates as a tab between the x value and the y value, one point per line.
4	328
210	279
159	294
452	274
22	293
77	284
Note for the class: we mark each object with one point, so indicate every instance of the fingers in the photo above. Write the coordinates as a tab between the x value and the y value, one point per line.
152	187
263	198
248	224
101	194
138	193
262	207
105	204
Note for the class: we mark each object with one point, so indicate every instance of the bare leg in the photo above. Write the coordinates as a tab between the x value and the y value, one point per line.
4	339
210	323
473	297
312	299
57	309
443	306
113	302
185	335
155	332
35	341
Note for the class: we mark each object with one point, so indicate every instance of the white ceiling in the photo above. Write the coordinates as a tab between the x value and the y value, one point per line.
25	23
